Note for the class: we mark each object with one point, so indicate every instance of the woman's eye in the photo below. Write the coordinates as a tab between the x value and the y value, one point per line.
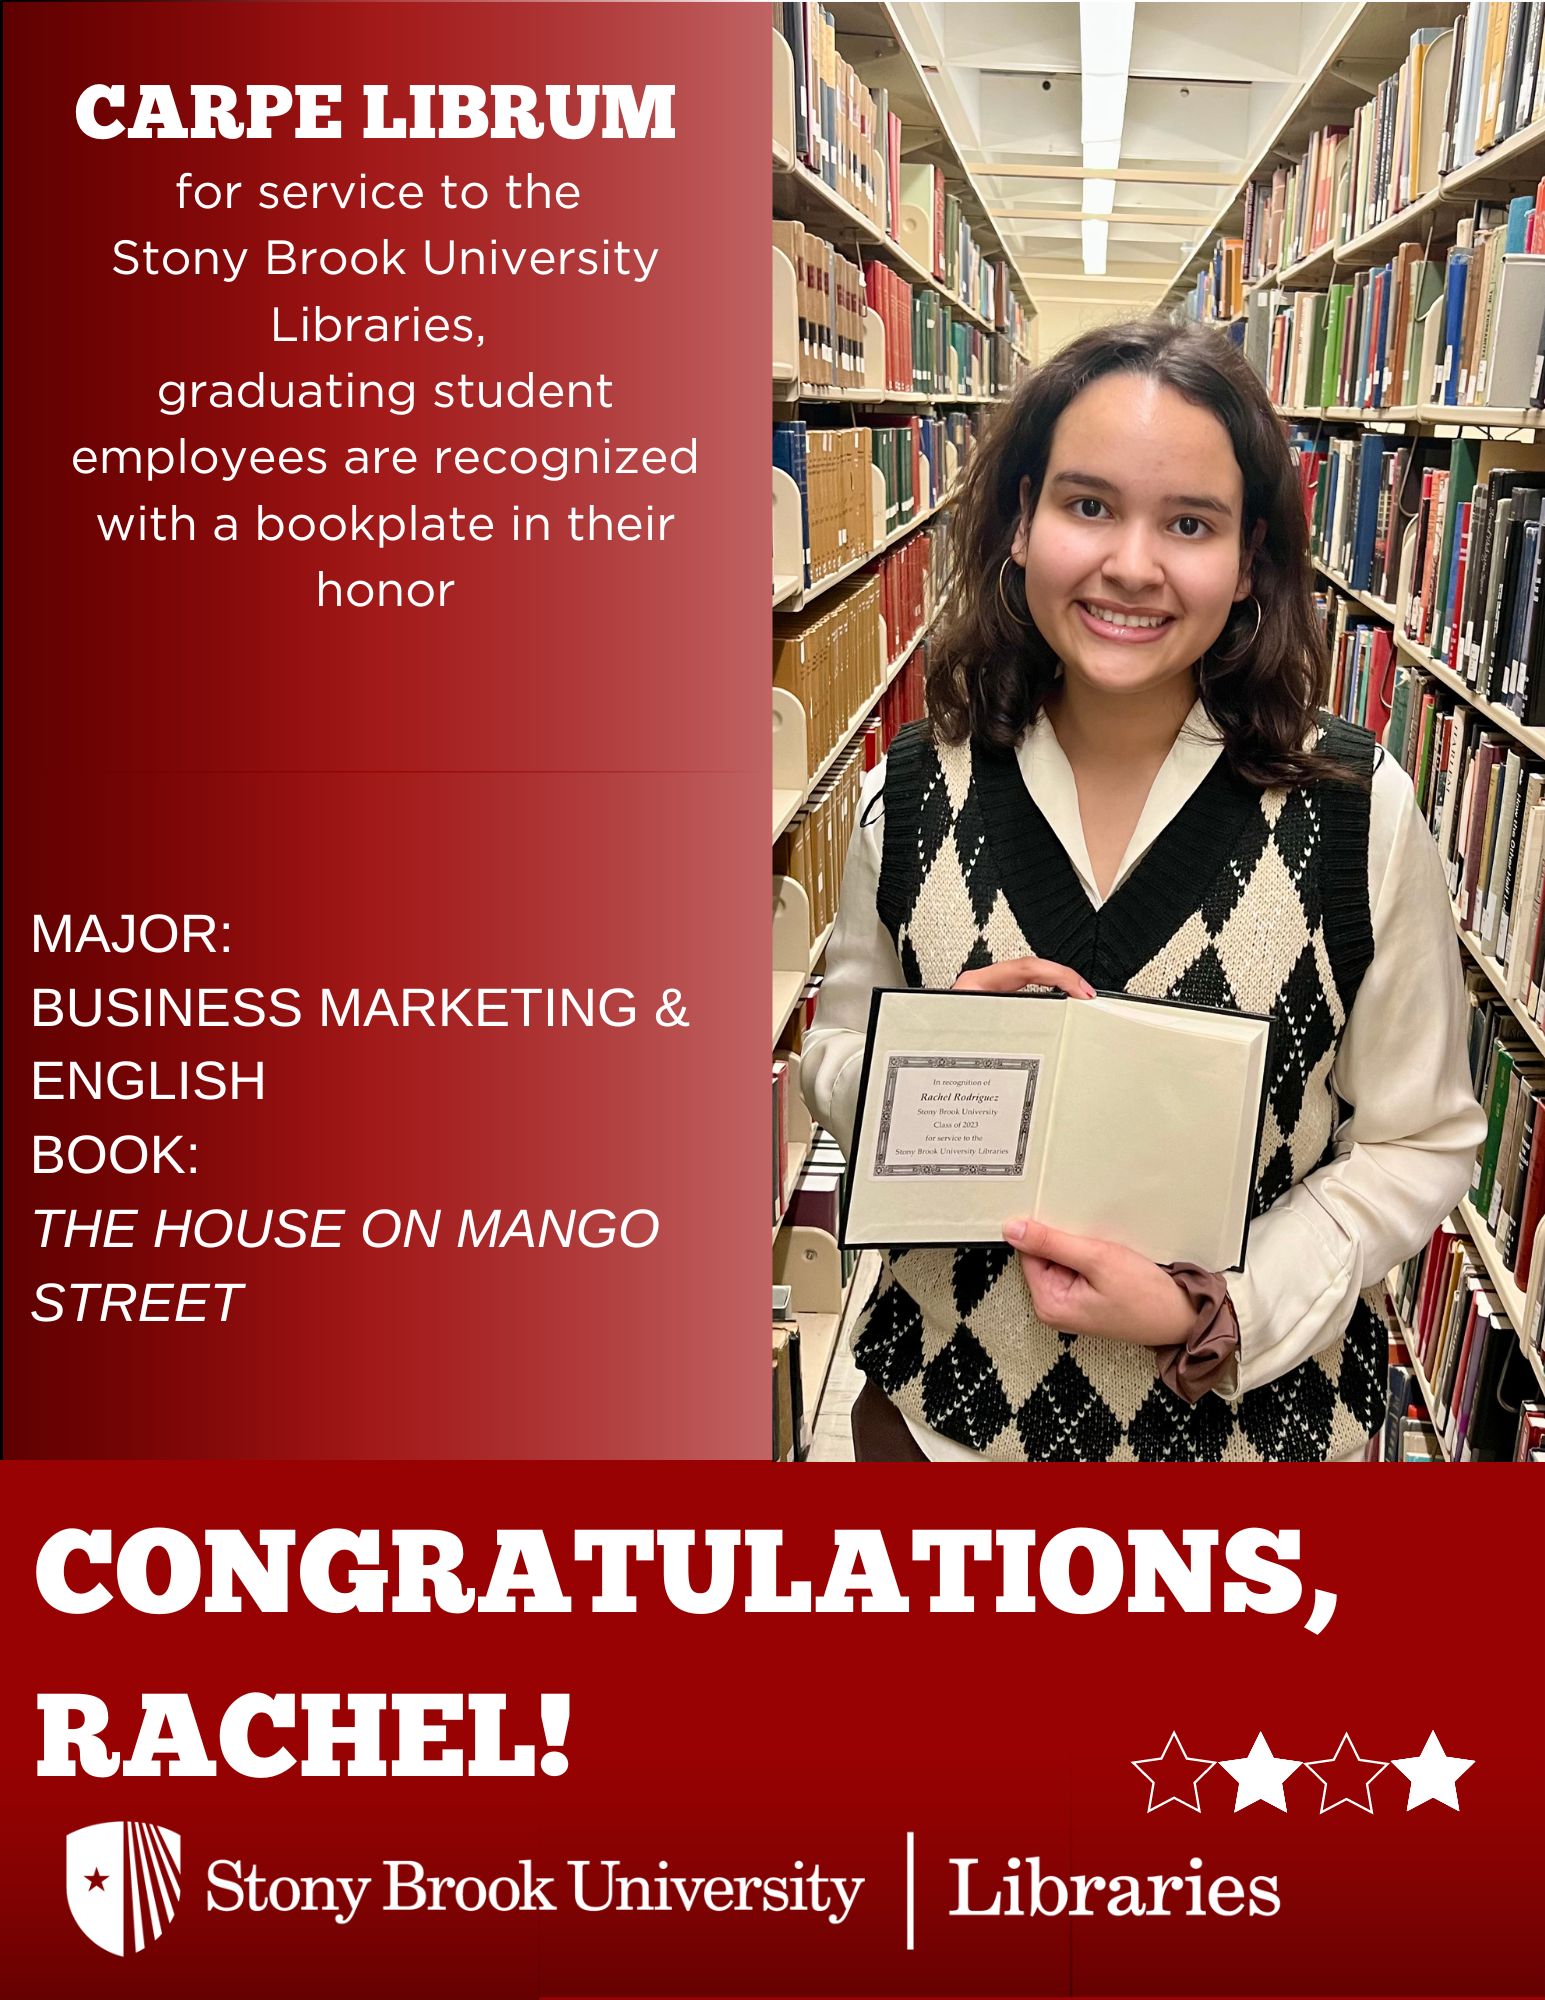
1089	509
1191	529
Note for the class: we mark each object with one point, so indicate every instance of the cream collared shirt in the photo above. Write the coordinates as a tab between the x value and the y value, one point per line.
1404	1149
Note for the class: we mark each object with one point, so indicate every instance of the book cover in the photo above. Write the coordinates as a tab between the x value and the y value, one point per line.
1501	1076
1453	321
1516	320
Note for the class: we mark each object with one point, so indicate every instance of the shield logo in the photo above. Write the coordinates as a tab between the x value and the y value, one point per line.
123	1878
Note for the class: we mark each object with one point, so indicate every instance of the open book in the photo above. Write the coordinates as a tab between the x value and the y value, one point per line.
1134	1120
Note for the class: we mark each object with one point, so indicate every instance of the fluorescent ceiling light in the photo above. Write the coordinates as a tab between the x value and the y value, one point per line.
1105	59
1104	108
1105	36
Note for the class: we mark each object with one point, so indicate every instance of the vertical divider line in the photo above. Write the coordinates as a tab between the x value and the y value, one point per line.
911	1891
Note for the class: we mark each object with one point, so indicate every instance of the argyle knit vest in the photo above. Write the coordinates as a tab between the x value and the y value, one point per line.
1256	900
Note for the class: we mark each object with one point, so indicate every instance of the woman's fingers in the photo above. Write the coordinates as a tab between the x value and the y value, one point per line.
1015	973
1060	1272
1038	1242
1056	1293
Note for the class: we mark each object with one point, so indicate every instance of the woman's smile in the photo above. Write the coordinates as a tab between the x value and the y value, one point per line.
1123	627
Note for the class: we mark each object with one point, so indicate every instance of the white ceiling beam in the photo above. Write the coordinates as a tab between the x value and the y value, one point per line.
1142	217
1058	171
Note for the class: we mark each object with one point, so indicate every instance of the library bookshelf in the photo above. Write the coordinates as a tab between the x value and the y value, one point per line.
1520	1313
807	1259
1336	161
1370	49
1517	1309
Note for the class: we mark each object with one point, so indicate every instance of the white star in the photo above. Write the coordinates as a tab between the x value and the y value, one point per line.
1433	1774
1259	1776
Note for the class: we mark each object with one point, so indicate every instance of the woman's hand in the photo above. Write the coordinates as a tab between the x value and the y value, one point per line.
1080	1284
1015	973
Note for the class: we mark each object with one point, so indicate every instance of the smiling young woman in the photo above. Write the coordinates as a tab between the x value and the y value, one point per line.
1125	782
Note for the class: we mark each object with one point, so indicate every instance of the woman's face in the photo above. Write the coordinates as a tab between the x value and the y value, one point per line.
1134	555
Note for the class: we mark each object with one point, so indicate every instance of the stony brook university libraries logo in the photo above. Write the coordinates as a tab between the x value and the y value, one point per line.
124	1877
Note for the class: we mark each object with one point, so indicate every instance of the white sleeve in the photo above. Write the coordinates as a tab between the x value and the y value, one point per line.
1405	1151
859	957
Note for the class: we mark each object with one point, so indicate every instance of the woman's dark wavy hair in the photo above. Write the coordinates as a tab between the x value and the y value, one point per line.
990	671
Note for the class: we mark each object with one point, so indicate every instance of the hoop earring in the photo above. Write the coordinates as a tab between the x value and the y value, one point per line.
1025	624
1236	653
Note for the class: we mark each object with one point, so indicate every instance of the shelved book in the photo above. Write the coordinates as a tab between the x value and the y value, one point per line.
1498	80
1302	207
1468	1353
1508	1194
1008	365
1460	91
791	1429
1490	311
940	238
901	703
836	117
1529	1447
890	299
1468	576
1219	291
908	587
781	1089
1417	1441
1291	347
830	657
919	459
1362	662
1408	1432
1009	317
1379	327
936	352
830	470
846	133
833	315
1483	796
1466	332
820	1194
809	1000
1262	233
1494	631
1356	506
814	847
1395	144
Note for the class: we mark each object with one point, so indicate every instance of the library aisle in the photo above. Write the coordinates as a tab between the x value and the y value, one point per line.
898	322
1352	195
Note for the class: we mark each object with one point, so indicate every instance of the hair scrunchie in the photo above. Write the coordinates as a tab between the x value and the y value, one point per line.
1209	1355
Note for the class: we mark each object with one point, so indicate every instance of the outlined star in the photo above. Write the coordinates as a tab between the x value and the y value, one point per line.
1172	1776
1259	1776
96	1879
1432	1775
1346	1778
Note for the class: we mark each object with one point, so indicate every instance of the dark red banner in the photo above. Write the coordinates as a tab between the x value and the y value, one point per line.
1075	1733
472	884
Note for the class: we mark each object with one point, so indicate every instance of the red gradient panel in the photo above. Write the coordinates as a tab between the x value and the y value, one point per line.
772	1745
558	779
